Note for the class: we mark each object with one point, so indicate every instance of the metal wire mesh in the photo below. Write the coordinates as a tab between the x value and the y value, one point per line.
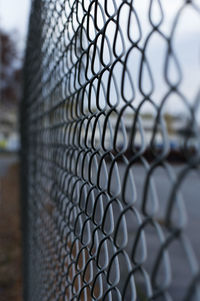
110	135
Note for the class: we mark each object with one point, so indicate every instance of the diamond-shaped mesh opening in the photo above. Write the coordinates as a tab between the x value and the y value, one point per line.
110	135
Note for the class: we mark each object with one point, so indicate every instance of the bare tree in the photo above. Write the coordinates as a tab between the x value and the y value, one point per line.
10	72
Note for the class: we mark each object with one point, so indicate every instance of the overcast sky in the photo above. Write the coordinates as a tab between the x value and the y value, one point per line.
14	17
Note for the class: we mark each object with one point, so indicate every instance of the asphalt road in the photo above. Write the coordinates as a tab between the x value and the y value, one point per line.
180	251
184	252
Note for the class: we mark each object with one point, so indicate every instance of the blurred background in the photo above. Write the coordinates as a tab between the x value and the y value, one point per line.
13	30
14	17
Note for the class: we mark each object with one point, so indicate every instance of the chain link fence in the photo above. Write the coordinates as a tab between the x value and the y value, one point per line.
110	157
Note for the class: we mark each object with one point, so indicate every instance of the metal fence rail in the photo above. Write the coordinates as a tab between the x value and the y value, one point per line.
110	158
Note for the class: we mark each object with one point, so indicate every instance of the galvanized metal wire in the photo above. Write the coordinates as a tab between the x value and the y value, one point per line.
110	206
